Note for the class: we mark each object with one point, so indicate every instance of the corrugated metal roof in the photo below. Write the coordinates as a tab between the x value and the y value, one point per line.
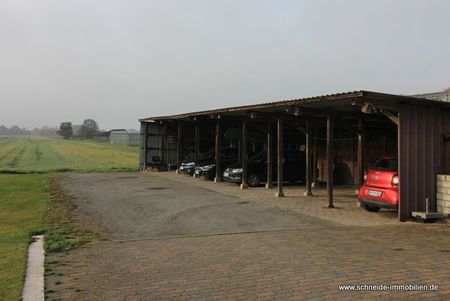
329	98
436	96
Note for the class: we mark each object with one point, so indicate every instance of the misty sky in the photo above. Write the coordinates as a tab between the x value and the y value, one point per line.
117	61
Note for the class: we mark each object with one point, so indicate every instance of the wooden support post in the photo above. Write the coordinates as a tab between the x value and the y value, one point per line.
196	143
239	151
314	164
179	146
269	182
244	155
360	166
163	130
330	161
308	191
145	146
280	193
218	178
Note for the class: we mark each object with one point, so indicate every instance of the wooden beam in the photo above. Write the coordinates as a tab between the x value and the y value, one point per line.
269	183
244	155
391	117
308	191
218	177
347	125
196	142
360	154
314	164
370	105
297	127
179	146
280	158
145	145
330	161
163	131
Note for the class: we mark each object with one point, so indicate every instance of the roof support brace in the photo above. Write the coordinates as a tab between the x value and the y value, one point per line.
391	117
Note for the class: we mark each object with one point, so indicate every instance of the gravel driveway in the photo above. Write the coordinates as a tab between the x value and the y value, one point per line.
136	205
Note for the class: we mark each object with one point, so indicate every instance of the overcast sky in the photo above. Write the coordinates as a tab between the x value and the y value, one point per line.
117	61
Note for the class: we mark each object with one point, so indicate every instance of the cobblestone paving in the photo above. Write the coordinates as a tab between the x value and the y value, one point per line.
280	265
308	263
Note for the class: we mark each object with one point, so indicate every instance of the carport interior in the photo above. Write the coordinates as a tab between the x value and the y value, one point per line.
339	135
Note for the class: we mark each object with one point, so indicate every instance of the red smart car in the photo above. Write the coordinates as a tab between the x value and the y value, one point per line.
380	188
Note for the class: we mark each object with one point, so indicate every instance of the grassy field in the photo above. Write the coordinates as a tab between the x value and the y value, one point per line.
23	202
37	154
30	202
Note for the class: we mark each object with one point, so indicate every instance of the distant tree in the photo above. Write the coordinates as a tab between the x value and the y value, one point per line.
4	130
88	129
65	130
15	130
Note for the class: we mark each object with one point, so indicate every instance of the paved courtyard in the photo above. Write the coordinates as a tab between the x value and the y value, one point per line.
172	237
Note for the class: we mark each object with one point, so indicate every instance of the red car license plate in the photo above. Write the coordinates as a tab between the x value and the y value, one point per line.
374	193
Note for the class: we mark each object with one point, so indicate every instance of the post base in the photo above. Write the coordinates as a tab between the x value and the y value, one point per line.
177	172
279	194
194	176
217	180
243	186
268	186
330	206
313	184
308	193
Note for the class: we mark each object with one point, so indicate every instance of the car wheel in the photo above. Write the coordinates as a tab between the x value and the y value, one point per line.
370	208
253	181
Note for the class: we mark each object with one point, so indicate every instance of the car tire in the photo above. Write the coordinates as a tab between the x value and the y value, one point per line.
370	208
253	180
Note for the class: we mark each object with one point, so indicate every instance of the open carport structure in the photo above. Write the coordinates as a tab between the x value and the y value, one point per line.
340	135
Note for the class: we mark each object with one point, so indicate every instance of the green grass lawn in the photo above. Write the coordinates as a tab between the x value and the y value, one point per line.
38	154
23	202
24	198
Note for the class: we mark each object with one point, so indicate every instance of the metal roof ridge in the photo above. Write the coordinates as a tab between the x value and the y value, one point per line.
258	105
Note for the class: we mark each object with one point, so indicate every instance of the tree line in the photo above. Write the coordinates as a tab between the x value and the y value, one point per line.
87	130
20	131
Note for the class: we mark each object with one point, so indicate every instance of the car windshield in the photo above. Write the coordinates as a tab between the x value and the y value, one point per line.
386	164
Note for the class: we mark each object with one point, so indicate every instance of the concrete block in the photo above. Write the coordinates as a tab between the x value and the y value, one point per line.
441	178
443	210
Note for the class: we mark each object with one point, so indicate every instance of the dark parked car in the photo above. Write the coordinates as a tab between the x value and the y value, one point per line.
380	188
188	165
293	169
208	168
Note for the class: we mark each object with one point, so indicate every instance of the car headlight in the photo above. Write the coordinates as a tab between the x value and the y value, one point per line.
236	170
